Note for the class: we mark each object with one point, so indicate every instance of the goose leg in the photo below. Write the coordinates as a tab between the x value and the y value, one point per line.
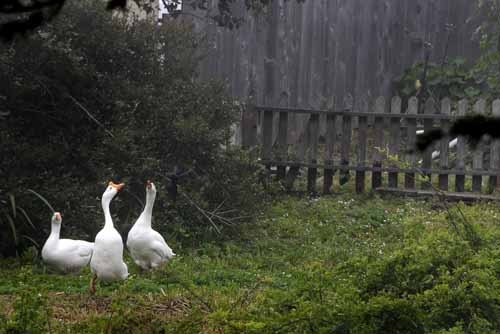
92	284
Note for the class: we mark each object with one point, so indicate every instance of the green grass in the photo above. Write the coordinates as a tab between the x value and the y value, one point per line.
332	265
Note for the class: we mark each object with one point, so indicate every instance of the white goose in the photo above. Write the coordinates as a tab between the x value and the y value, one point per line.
65	255
107	261
147	247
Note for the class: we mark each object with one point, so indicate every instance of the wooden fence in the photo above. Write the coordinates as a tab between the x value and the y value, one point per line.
381	146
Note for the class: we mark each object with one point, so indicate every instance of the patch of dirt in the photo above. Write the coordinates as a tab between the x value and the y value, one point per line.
72	308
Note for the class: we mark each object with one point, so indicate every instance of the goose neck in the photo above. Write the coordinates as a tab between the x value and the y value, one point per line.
108	221
148	209
55	231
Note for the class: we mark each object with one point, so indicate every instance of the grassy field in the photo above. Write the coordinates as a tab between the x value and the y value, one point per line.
332	265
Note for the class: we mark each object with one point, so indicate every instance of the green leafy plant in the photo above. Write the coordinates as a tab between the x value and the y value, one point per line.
115	100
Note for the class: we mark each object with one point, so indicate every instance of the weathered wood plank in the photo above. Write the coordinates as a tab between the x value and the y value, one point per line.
494	152
351	113
377	169
478	155
249	127
346	140
362	142
444	144
267	135
430	108
378	129
463	107
411	157
394	140
331	133
282	150
312	172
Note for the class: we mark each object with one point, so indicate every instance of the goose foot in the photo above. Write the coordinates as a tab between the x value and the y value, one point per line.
92	284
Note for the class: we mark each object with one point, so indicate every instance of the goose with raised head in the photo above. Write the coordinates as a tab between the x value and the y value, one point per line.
65	255
107	260
147	247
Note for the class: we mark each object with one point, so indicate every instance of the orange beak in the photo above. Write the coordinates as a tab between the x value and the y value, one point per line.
148	184
57	215
116	186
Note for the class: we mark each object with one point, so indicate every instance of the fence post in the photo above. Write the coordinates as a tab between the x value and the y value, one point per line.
312	172
267	137
494	152
395	127
430	108
478	155
249	127
346	139
331	133
411	145
463	107
443	150
282	143
362	131
378	127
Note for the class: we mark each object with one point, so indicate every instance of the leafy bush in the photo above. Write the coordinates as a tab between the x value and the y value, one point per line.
454	79
91	98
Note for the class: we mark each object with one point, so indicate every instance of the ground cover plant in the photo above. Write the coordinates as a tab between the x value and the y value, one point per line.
332	265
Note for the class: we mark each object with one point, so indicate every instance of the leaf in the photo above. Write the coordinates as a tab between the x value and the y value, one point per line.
13	205
30	223
472	92
33	241
459	61
42	199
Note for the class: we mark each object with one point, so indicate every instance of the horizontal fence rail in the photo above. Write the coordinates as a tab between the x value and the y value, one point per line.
378	141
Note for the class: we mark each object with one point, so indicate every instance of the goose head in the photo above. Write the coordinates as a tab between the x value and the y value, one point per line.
150	193
111	191
56	218
150	187
56	224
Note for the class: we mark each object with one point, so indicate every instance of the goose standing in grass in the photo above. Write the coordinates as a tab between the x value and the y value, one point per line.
147	247
107	261
65	255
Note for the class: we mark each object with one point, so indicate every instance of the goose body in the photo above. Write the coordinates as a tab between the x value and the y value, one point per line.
146	246
65	255
107	260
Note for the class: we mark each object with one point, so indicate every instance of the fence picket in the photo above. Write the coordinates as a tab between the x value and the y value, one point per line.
331	133
394	140
346	140
463	107
494	152
378	128
410	146
282	143
267	136
362	140
312	172
275	145
444	146
478	155
430	108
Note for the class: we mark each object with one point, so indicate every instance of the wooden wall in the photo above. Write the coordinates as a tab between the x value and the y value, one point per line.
300	55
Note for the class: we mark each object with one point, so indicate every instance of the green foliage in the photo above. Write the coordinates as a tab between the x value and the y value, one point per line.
453	79
31	314
457	79
91	98
332	265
